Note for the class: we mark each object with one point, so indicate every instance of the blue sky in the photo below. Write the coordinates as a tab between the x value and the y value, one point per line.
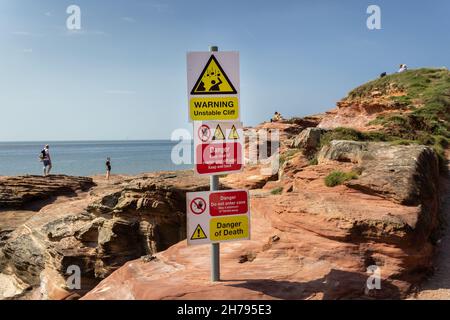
123	76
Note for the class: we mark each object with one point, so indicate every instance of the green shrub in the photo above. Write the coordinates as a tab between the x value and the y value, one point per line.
277	190
313	161
342	133
336	178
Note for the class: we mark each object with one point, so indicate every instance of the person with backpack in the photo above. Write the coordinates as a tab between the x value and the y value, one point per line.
46	159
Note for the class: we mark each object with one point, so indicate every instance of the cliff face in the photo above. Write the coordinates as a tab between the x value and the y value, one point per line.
310	241
406	105
98	230
358	112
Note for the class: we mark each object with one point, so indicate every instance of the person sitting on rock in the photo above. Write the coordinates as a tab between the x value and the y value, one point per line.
276	117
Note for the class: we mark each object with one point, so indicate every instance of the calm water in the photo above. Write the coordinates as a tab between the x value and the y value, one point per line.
88	158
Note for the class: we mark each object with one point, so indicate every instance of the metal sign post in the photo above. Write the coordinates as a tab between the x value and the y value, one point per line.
215	247
213	94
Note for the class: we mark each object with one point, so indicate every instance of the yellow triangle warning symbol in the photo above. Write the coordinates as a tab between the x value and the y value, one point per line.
218	134
213	80
233	133
198	233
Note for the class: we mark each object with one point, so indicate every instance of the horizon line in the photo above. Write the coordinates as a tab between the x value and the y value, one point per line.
87	140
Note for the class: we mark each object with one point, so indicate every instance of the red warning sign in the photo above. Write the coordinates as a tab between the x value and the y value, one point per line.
215	158
218	147
198	205
228	203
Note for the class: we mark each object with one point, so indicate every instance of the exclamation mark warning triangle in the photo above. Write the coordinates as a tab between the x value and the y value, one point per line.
233	134
218	134
198	233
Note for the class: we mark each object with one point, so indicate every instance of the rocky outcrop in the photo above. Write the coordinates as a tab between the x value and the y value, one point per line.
312	242
343	151
97	232
18	192
308	121
308	241
407	174
308	139
357	112
254	177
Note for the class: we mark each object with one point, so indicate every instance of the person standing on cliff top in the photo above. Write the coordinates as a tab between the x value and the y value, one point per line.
108	168
47	160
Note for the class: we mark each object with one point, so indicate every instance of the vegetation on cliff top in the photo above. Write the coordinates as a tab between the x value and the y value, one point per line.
423	103
424	106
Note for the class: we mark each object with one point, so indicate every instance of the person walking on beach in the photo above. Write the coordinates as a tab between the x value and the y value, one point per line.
108	168
46	159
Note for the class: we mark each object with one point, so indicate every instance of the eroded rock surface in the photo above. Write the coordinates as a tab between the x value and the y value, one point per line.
408	174
96	231
18	192
308	242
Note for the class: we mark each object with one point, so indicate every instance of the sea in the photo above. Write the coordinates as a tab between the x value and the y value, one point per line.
87	158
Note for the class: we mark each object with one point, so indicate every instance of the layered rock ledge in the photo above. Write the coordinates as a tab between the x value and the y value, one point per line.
310	241
97	230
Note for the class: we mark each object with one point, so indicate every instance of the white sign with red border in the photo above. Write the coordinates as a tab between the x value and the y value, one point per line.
218	147
217	216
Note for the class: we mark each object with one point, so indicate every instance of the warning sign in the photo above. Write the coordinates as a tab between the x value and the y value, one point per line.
234	135
228	203
218	147
225	216
229	228
216	158
213	85
218	134
213	80
214	108
198	234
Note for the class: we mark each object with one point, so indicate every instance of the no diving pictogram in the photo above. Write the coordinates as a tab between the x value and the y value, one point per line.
204	133
198	205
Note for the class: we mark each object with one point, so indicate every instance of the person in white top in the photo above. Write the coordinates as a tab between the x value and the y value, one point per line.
47	160
403	67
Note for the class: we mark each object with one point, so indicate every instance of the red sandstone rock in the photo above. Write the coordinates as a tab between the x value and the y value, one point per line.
312	243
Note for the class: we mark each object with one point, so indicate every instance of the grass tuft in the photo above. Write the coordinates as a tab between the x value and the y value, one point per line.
337	177
276	191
